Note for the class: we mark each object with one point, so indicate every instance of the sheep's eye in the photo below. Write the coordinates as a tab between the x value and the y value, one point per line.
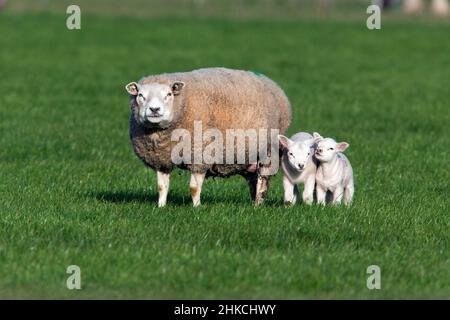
308	153
141	96
169	94
331	149
291	154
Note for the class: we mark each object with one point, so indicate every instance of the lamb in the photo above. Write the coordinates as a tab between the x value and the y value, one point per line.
334	173
218	98
299	166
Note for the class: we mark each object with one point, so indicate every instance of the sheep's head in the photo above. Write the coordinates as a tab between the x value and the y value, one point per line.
328	148
297	152
154	102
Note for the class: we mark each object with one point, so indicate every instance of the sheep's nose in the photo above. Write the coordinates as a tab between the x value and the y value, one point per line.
301	166
155	109
319	150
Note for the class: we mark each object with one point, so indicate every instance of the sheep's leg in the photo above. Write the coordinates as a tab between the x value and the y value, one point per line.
321	195
196	187
262	186
348	193
290	191
163	187
251	181
308	191
338	194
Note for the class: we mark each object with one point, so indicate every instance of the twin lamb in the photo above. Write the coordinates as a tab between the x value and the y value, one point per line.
316	162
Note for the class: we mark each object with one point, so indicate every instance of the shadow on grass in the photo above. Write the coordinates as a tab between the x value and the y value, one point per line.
174	198
130	196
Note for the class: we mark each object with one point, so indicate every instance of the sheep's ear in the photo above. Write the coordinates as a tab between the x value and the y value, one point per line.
317	137
132	88
177	86
285	142
342	146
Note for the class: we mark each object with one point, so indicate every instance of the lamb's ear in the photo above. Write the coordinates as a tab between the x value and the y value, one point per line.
177	86
132	88
317	137
342	146
310	142
285	142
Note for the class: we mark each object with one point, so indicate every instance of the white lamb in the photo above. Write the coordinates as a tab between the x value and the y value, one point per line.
298	166
334	173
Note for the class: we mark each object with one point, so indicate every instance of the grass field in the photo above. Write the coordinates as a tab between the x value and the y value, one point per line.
72	191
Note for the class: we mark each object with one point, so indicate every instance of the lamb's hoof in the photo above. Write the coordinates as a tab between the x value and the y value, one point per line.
289	203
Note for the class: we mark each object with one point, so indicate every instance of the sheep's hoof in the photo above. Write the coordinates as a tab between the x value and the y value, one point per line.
258	202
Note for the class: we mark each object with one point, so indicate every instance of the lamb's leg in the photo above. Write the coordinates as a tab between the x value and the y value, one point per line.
338	194
262	186
196	187
308	191
290	192
163	187
321	195
348	193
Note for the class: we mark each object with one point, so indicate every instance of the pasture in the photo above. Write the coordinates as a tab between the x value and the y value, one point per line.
73	192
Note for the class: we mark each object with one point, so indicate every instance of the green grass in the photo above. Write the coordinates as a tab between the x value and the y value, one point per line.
72	191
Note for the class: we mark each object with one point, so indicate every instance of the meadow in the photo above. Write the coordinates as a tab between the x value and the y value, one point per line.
73	192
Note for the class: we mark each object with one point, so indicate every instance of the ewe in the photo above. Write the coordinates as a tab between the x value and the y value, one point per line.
220	99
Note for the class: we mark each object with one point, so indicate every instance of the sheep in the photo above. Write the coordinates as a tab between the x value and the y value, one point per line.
440	8
299	166
413	6
217	98
334	173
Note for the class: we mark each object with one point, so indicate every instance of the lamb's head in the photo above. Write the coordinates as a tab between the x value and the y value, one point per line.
327	148
297	152
155	103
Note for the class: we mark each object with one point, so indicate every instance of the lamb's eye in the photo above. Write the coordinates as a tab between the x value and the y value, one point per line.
331	149
169	94
291	154
141	96
308	153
